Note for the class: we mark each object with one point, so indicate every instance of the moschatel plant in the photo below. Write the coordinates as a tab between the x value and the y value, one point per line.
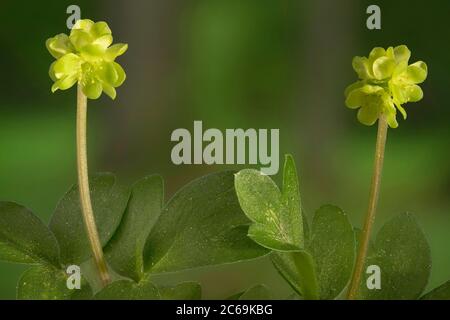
120	237
328	259
86	57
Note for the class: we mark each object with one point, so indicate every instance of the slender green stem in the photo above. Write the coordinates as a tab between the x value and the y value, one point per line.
371	211
307	275
85	198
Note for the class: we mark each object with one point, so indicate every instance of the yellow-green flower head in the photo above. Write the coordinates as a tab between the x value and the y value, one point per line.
387	81
86	57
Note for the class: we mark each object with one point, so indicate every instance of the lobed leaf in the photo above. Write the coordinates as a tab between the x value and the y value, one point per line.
332	246
125	250
258	292
402	253
298	269
109	201
129	290
182	291
24	238
440	293
292	200
276	215
44	283
201	225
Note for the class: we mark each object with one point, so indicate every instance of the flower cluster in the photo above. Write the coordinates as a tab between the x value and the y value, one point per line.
86	57
386	82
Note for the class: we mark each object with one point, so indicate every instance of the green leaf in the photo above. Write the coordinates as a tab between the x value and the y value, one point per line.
403	255
44	283
440	293
109	201
129	290
182	291
24	238
201	225
306	232
332	247
277	216
235	296
291	197
297	268
258	292
294	296
124	251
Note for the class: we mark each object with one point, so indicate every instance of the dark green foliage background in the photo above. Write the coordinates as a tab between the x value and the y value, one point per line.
231	63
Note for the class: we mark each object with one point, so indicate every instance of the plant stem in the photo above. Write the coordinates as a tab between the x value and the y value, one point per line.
83	182
371	211
307	274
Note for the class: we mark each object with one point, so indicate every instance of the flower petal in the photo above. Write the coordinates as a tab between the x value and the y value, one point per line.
121	76
402	110
355	99
368	115
402	54
417	72
67	65
80	38
383	68
64	83
353	86
397	92
100	29
406	93
358	97
361	67
376	53
51	72
104	41
107	73
92	89
83	24
390	53
59	45
109	90
391	115
413	93
400	69
92	52
116	50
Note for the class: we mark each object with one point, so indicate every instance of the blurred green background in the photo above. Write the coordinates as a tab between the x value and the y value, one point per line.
231	63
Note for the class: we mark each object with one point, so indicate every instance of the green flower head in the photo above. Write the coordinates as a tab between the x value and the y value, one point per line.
86	57
387	81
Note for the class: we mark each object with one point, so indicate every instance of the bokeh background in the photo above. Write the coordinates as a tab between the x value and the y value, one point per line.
231	63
